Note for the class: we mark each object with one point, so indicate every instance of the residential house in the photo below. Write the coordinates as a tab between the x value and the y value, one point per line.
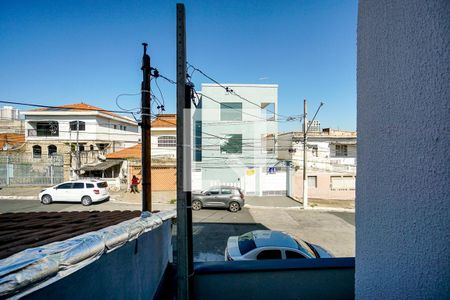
128	162
65	129
229	138
331	162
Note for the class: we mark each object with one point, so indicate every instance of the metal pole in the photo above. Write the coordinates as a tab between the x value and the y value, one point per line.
146	135
184	217
7	170
77	172
305	131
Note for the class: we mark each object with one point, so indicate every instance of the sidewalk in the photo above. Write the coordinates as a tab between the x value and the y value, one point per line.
169	199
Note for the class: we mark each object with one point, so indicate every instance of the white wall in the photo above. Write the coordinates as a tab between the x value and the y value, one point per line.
403	182
97	129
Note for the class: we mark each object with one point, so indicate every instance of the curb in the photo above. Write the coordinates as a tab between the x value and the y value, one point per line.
18	198
323	209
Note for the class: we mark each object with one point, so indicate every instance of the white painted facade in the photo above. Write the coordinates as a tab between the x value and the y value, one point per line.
99	127
331	163
247	168
164	142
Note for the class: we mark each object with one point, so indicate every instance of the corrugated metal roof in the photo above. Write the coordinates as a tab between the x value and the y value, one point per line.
20	231
102	166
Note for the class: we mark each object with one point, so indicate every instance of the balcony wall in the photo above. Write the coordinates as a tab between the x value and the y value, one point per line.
134	271
286	279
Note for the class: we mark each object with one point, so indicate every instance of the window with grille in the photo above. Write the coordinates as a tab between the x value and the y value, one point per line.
341	150
81	125
52	150
233	144
37	151
167	141
312	182
342	183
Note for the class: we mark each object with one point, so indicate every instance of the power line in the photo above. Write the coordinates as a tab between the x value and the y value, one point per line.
231	91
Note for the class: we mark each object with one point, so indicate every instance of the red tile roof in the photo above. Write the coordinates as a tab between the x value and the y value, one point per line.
131	152
165	120
13	139
83	107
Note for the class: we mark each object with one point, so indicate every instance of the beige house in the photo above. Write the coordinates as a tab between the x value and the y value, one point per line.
331	163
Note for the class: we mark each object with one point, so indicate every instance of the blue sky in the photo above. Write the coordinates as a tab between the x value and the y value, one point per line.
60	52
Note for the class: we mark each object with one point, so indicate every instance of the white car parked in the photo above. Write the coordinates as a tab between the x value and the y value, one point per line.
270	244
84	191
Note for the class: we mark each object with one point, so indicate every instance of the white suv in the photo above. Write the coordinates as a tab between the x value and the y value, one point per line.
84	191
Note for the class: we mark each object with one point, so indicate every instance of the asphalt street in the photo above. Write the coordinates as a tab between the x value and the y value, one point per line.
334	231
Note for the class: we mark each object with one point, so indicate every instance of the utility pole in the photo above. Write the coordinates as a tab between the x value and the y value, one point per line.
146	179
78	151
184	213
305	178
305	139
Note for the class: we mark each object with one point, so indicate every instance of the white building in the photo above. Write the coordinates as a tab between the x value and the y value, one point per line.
230	138
61	129
331	162
164	136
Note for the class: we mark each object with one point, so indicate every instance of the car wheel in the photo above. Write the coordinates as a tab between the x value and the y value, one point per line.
86	200
46	199
196	205
234	207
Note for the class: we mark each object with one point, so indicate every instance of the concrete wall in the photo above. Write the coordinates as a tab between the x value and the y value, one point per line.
403	191
277	279
134	271
324	189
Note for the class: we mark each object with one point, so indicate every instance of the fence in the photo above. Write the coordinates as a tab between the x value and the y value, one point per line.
19	170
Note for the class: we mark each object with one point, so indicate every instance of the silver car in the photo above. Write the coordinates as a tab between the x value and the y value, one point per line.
220	197
270	244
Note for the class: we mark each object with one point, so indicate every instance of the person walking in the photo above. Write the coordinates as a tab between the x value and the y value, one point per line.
134	184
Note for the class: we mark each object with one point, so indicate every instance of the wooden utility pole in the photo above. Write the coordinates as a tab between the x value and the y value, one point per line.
146	179
184	213
305	132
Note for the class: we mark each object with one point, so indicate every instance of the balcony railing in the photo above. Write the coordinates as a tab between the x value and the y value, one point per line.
43	133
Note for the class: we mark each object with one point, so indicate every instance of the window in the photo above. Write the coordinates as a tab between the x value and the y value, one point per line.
343	183
47	128
102	184
231	111
227	191
52	149
78	185
81	147
315	150
81	126
65	186
124	127
293	254
91	147
115	126
89	185
312	182
214	192
341	150
121	127
233	144
167	141
269	254
198	141
37	151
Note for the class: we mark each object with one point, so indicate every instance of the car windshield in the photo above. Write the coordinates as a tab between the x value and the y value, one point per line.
303	246
246	243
